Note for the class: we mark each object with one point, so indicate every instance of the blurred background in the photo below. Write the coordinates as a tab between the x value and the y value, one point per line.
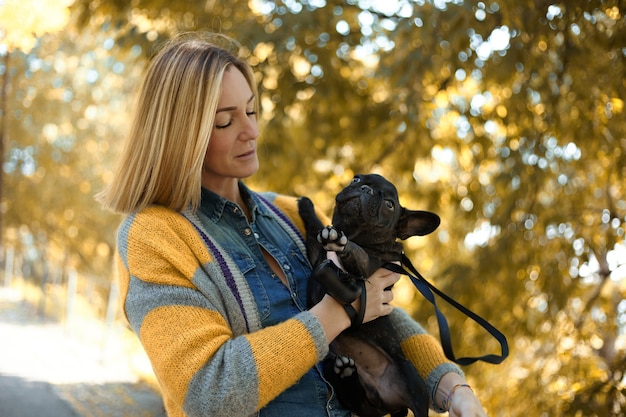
505	117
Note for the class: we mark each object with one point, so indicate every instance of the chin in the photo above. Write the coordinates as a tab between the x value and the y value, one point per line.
250	171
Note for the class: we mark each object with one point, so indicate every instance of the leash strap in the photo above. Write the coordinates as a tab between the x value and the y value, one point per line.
427	289
356	317
343	287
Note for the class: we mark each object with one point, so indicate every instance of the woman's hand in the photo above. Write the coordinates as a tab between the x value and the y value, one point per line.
334	318
378	294
465	404
454	393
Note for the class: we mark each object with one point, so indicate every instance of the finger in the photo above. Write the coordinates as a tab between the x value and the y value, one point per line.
391	279
386	310
387	297
385	277
382	273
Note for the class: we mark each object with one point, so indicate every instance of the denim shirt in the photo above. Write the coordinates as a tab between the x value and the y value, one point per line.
276	302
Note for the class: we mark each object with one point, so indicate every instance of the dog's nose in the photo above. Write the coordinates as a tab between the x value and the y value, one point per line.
367	189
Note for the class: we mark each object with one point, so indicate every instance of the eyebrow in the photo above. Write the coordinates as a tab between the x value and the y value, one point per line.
231	108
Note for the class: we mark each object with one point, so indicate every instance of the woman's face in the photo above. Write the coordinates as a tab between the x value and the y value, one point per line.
232	147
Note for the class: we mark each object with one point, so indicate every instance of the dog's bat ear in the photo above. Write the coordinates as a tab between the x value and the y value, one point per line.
416	223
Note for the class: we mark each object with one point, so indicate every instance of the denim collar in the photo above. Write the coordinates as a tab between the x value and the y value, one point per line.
214	205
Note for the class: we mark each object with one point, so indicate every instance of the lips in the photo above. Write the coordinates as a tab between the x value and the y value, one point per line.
248	154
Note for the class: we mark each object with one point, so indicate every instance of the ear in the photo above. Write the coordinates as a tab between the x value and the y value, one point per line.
416	223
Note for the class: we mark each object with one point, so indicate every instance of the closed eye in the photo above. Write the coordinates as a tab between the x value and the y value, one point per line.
230	122
224	126
232	112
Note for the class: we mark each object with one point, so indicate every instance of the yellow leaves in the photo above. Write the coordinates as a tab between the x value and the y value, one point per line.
300	67
382	94
613	13
466	159
435	169
85	187
446	125
261	53
50	132
596	342
487	170
617	105
270	79
345	72
24	20
65	171
103	250
501	111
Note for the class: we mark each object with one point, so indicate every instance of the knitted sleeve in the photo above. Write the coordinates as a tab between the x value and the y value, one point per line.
423	350
202	368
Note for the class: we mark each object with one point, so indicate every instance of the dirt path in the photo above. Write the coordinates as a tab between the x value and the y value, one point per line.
49	369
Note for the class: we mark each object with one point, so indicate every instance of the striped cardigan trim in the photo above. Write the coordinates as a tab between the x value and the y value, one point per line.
286	224
224	262
234	278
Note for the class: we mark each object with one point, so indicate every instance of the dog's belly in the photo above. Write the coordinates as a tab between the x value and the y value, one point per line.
369	358
379	373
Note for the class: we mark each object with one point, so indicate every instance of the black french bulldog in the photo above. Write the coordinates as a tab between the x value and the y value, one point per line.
365	365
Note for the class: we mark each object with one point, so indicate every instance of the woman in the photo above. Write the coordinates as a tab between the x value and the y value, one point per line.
213	275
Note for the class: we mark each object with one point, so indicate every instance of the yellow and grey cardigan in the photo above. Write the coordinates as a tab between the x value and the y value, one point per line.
197	320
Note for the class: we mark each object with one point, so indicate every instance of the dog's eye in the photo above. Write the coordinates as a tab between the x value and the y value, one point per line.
355	180
390	204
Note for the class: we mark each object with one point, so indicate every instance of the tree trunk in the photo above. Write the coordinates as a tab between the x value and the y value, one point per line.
3	128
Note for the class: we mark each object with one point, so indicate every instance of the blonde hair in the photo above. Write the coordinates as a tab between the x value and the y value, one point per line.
161	161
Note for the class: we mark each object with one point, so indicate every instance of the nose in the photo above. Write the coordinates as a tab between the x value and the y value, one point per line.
250	130
367	189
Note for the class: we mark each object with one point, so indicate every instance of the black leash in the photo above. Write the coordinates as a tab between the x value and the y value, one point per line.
425	287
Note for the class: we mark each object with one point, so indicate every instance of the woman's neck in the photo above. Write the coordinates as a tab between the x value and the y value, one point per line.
230	191
227	188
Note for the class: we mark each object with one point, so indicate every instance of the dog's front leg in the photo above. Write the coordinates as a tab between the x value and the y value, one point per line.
312	225
354	259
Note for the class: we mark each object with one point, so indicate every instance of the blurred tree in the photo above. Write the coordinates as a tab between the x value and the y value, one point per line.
67	105
504	117
20	25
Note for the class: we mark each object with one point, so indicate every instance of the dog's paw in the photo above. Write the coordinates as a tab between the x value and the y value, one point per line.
344	366
332	239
